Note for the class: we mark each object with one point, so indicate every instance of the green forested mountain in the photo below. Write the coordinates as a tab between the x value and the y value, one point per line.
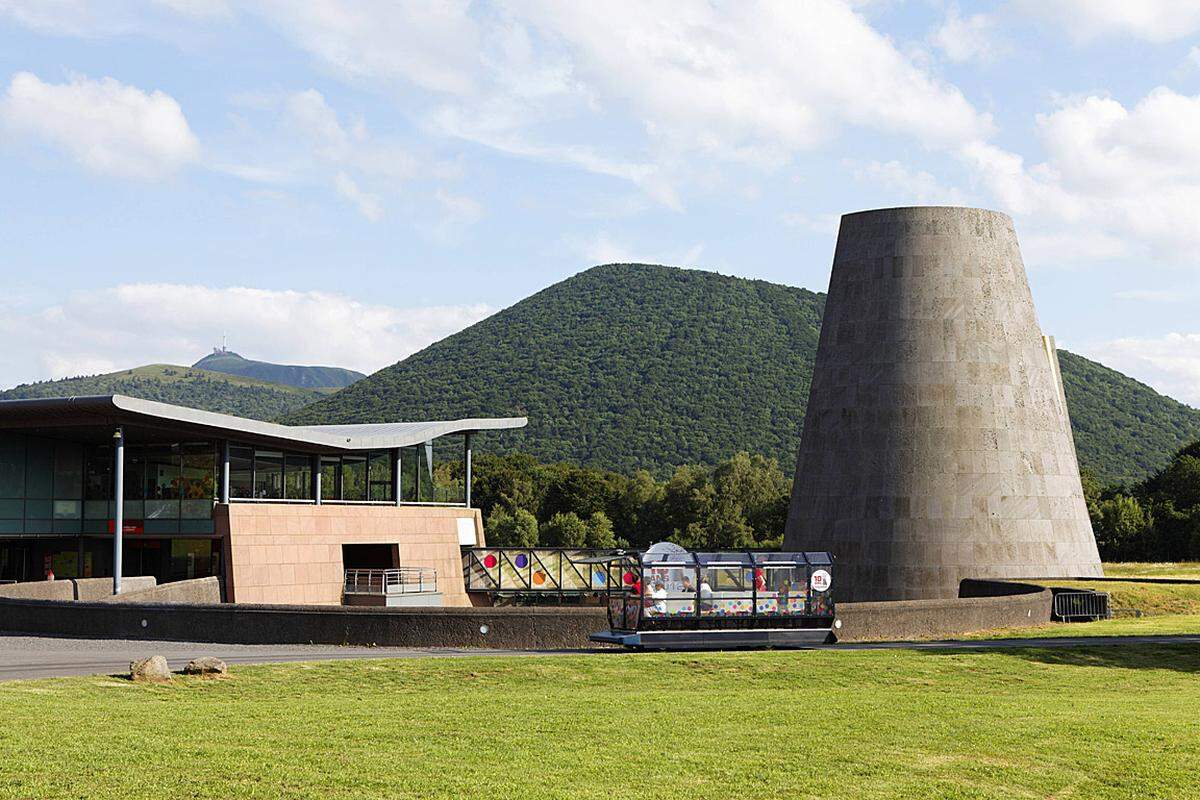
167	383
622	366
629	366
1124	430
231	363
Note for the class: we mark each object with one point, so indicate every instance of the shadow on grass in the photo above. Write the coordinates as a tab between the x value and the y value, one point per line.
1177	657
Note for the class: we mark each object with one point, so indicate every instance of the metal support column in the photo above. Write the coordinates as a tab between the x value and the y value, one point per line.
396	472
315	466
225	472
467	458
119	512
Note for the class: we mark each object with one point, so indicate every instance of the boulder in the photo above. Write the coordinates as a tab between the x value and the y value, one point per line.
206	665
153	669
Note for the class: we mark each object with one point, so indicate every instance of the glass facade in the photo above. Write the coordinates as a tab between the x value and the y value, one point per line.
57	507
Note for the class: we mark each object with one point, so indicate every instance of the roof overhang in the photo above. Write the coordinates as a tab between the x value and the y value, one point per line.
114	410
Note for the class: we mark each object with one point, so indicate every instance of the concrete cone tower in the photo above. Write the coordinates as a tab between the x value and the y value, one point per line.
936	445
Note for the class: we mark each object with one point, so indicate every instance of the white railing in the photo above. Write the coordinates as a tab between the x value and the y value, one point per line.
399	580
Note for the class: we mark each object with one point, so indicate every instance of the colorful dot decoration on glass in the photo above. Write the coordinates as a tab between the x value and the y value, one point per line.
539	578
521	560
599	578
627	578
489	561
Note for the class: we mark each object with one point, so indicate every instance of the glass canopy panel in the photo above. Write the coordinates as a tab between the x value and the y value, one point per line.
726	584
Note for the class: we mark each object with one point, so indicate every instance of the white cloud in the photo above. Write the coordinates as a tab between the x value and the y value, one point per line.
432	45
1126	178
602	248
105	125
115	328
744	83
915	187
1149	20
1170	363
962	38
368	204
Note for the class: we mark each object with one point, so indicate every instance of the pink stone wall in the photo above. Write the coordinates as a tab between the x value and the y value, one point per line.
292	553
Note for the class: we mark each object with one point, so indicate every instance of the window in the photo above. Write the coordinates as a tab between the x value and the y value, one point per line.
354	477
380	472
163	481
12	466
135	482
449	470
331	478
198	480
268	474
241	472
297	479
408	474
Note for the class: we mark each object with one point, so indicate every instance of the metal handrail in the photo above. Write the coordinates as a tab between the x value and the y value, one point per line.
398	580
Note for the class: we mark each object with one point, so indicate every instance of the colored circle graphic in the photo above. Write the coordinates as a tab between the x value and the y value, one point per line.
627	578
539	578
598	577
489	561
521	560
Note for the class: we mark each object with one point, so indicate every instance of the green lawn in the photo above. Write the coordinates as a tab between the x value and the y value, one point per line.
1133	569
1111	722
1118	626
1152	599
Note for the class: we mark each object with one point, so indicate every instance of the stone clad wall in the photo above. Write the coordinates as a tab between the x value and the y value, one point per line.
292	553
936	444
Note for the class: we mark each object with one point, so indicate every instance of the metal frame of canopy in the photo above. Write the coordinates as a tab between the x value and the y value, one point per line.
679	599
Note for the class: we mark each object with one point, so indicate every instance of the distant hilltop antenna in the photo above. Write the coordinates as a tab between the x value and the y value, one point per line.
222	349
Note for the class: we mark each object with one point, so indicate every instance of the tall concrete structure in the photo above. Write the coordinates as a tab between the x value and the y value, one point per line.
936	444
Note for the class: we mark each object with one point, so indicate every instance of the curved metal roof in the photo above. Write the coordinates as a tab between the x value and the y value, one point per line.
118	409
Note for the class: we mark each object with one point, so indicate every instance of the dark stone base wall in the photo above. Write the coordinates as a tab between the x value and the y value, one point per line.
986	605
524	628
992	604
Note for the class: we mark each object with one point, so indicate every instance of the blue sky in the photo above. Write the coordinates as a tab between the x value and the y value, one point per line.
345	182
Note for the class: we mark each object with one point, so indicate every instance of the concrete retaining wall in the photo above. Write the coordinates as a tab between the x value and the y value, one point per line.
992	604
1010	605
198	591
527	628
100	588
73	588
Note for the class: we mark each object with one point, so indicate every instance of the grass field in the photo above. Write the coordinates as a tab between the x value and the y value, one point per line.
1152	599
1181	569
1108	722
1118	626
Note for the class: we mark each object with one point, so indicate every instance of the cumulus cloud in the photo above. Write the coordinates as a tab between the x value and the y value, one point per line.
916	187
114	328
1170	363
747	83
971	38
1149	20
105	125
1128	175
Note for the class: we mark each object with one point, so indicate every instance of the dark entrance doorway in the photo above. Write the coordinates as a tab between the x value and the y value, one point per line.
370	556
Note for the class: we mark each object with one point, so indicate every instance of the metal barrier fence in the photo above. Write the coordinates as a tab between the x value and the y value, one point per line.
400	580
1083	605
543	570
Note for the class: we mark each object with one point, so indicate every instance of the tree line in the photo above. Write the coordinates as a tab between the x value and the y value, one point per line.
1157	519
739	503
742	502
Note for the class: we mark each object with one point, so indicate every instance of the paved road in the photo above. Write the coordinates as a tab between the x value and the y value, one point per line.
24	657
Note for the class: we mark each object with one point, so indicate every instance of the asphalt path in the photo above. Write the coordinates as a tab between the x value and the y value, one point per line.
24	657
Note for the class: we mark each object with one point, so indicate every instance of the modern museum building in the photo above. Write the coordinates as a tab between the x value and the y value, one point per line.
279	513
